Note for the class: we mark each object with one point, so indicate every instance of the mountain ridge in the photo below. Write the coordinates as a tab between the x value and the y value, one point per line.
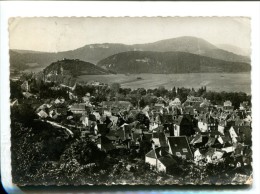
93	53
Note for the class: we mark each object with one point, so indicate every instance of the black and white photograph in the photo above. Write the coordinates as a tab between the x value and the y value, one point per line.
130	100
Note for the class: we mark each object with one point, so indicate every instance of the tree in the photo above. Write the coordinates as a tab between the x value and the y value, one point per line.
84	151
15	90
142	91
115	89
23	113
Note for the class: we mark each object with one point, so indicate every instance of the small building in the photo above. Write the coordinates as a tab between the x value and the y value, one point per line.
78	108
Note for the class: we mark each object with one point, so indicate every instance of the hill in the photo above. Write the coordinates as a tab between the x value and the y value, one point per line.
168	62
95	52
74	67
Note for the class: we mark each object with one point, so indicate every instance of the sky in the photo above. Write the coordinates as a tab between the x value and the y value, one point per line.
61	34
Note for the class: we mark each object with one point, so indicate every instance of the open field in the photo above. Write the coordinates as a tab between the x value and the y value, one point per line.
229	82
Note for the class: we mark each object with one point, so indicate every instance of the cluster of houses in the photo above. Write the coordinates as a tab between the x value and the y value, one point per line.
194	130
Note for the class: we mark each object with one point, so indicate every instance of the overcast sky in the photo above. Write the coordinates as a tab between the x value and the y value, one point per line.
61	34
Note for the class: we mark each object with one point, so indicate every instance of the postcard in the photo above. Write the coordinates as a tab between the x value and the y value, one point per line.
130	100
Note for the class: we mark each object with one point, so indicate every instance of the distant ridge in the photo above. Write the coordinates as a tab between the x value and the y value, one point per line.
234	49
169	62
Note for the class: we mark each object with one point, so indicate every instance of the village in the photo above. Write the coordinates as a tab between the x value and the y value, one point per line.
161	132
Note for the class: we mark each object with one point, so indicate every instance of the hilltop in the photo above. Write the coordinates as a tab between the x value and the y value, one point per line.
74	67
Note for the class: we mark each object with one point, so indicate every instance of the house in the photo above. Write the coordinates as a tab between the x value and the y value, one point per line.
57	101
97	115
184	126
107	113
196	139
124	133
198	156
160	159
114	119
221	127
225	140
206	103
78	108
25	86
85	121
233	135
42	114
214	156
248	120
153	126
176	102
228	106
86	98
193	101
244	105
152	156
28	95
207	123
228	149
54	114
72	96
179	146
227	103
199	140
211	141
43	107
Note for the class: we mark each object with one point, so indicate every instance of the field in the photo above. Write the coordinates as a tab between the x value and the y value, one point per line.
229	82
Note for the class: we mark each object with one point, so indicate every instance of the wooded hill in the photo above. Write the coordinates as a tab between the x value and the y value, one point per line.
75	68
168	62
